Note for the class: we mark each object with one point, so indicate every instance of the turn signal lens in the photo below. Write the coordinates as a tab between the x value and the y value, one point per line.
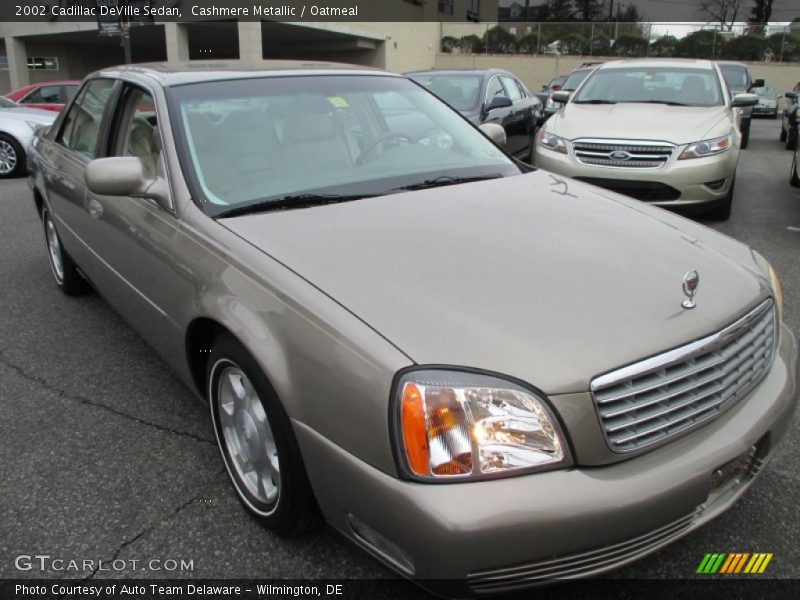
461	425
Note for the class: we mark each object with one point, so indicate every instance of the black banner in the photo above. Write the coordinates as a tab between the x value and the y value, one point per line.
488	11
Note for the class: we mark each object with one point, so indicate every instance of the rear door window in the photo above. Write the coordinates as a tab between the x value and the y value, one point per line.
82	125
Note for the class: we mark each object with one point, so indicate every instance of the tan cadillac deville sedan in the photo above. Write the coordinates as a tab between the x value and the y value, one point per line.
484	375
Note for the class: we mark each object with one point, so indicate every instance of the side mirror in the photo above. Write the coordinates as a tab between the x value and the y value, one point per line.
741	100
791	96
125	176
561	96
498	102
494	132
758	83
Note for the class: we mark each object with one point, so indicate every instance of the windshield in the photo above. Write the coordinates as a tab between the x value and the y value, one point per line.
462	92
333	136
6	103
765	91
658	85
735	76
572	82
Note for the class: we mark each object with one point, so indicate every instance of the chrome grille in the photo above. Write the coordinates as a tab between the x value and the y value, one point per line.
658	398
581	564
622	154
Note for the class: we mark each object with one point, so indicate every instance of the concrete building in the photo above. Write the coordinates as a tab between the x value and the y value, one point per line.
42	51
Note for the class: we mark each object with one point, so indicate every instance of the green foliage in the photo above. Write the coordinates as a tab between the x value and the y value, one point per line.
471	44
747	47
700	44
499	40
630	45
449	43
666	45
529	43
574	43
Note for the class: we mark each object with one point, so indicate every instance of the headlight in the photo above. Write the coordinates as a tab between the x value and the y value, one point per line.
551	141
777	292
707	147
452	426
774	282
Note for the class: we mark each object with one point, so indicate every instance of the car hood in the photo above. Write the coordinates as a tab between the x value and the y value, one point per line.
547	280
676	124
45	117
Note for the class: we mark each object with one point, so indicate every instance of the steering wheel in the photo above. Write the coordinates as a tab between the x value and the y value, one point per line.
391	135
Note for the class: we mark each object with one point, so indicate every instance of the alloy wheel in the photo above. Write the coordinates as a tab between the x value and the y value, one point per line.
54	249
8	158
247	435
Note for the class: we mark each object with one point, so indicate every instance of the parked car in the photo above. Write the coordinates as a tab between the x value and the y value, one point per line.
48	95
790	118
17	126
662	131
490	96
740	81
570	84
454	358
767	102
554	84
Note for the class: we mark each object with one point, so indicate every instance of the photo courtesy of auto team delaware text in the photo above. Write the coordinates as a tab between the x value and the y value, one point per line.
399	299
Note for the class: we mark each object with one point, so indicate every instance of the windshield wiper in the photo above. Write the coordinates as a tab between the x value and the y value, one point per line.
667	102
443	181
290	203
595	102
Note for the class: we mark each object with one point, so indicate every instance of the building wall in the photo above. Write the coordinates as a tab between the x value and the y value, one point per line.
538	70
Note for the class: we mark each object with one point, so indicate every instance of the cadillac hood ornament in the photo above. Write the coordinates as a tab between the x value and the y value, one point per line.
691	281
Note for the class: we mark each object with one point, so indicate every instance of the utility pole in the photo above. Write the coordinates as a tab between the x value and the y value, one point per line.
783	41
125	34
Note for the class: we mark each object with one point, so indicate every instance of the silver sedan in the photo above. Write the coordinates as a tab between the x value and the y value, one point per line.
17	127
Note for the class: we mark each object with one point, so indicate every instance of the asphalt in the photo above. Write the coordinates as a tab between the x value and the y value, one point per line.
105	455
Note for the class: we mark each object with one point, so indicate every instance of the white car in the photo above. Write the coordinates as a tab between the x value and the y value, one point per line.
17	126
661	131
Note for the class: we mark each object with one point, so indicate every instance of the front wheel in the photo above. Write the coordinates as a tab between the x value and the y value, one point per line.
257	442
745	134
12	157
64	270
723	211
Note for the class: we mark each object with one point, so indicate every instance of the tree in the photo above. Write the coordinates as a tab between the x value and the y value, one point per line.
528	43
471	44
723	12
785	46
700	44
499	40
588	10
630	45
559	11
573	43
449	43
745	47
759	16
666	45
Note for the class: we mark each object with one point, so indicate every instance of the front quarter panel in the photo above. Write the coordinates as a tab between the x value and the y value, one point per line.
331	371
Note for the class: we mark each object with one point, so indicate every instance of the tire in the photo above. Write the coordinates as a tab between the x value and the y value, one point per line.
257	442
12	157
791	140
745	134
794	180
65	272
723	211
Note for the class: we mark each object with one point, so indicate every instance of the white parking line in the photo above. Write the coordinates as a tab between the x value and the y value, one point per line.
797	229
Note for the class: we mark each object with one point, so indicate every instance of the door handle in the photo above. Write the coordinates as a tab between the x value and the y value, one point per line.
95	209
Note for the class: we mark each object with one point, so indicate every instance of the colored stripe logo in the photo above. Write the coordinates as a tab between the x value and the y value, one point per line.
734	563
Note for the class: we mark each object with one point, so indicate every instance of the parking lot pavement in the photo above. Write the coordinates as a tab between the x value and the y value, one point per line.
105	455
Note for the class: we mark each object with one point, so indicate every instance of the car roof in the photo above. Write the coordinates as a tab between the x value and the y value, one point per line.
33	86
461	72
658	62
168	74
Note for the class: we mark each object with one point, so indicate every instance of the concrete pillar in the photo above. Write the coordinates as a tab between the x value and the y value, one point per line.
250	44
177	39
17	62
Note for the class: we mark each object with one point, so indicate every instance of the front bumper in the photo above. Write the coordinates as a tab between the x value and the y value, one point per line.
483	537
765	110
689	178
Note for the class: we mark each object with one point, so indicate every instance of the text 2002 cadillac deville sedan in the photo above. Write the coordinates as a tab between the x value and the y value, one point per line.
484	376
